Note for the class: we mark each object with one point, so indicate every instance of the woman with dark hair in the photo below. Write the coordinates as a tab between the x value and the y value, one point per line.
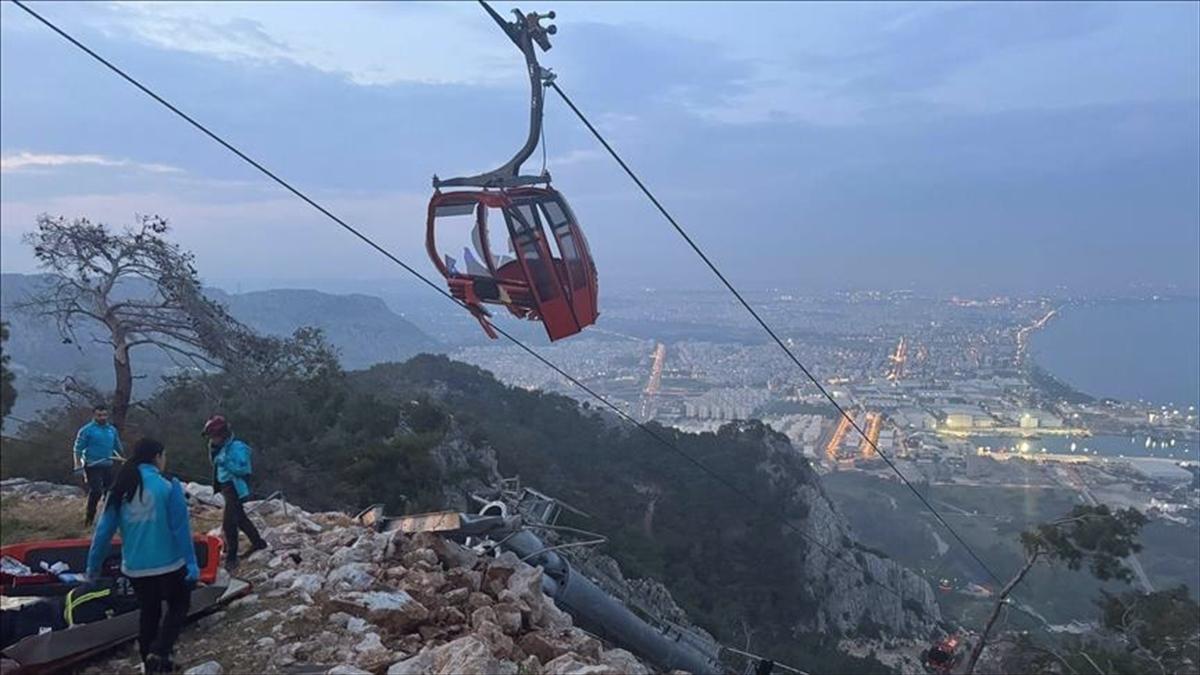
157	553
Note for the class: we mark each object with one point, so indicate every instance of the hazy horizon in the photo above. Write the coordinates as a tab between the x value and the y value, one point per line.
976	149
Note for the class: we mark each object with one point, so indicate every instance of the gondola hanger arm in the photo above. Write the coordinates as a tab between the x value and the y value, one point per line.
525	32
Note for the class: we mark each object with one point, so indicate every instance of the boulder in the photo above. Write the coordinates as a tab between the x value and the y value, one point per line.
531	666
449	616
212	620
549	645
481	615
508	617
502	645
573	664
244	601
497	572
554	618
282	578
414	665
526	585
265	507
456	596
369	643
307	525
449	553
347	670
394	610
263	615
362	550
426	585
304	611
417	556
206	668
464	577
469	655
356	576
308	583
477	600
623	662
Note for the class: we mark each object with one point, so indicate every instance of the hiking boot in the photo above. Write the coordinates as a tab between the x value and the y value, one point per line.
255	548
153	663
231	566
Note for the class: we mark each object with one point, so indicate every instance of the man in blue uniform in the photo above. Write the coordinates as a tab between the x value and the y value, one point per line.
231	468
96	444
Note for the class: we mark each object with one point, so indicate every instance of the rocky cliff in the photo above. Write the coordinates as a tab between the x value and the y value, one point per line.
860	591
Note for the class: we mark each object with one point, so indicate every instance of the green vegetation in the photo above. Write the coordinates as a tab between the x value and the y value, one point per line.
994	518
1093	536
8	393
1160	628
343	440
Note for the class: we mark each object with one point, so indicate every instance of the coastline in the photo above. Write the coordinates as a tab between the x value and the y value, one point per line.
1112	350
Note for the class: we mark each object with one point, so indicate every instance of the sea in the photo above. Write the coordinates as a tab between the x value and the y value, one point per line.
1128	350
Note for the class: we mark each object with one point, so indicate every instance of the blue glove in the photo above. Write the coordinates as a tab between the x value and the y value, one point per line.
192	576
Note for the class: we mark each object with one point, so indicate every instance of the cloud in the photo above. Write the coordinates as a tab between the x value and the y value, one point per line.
34	161
358	42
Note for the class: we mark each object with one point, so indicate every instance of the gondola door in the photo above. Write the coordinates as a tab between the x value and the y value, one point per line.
577	260
533	254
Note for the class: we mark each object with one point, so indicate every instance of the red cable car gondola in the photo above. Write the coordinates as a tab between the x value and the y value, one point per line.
943	656
546	273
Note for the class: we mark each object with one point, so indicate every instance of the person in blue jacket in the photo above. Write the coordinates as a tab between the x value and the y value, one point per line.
157	553
231	468
96	444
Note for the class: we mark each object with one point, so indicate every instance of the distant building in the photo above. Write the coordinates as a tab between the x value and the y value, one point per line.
960	420
1034	419
915	418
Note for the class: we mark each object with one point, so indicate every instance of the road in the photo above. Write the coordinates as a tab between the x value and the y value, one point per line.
654	383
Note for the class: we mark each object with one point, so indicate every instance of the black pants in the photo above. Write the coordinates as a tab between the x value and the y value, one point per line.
235	519
156	633
99	480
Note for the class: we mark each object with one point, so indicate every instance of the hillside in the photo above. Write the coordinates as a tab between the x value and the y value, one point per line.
425	434
722	557
362	327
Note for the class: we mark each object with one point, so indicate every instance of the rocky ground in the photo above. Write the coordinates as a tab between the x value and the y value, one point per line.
333	597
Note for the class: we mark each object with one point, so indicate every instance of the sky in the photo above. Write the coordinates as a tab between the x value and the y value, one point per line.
942	147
